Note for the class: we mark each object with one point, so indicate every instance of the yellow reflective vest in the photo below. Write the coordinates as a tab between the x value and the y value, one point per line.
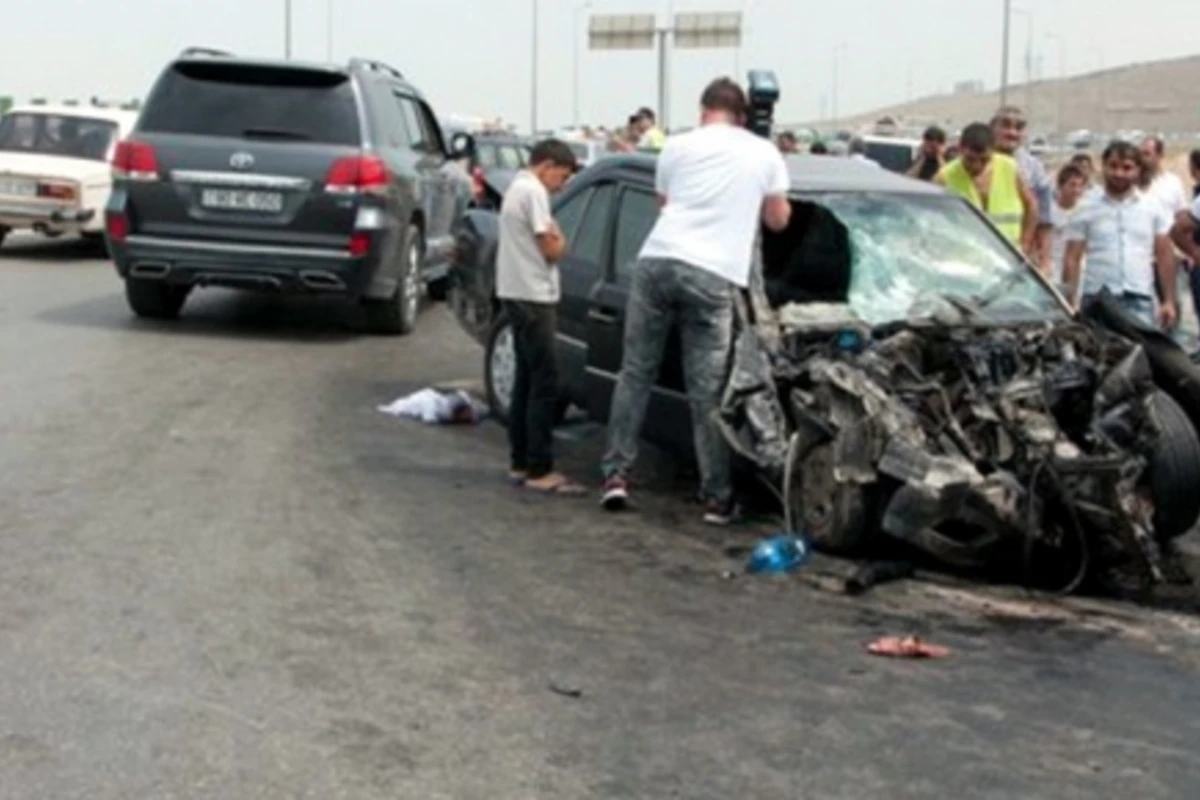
1005	207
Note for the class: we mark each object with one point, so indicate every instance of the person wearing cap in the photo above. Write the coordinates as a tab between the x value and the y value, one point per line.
932	156
992	183
1008	128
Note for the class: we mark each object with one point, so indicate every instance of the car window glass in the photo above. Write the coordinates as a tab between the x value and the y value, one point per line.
635	218
412	121
57	135
590	238
569	214
403	134
510	158
432	133
242	101
486	156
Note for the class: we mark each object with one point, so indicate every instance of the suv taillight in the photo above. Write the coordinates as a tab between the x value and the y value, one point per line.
358	175
135	161
478	186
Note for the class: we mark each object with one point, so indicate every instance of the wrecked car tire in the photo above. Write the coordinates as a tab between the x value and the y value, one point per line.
1175	470
835	516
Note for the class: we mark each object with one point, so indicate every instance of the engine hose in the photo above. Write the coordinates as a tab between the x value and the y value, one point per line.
1085	558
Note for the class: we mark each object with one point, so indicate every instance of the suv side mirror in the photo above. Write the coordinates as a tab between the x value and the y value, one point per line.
462	145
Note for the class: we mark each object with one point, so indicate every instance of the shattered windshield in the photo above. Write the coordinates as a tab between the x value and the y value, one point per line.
914	255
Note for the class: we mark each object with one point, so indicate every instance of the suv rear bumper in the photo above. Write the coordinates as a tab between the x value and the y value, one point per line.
196	262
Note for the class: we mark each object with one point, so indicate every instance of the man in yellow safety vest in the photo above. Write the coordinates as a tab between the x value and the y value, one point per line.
992	182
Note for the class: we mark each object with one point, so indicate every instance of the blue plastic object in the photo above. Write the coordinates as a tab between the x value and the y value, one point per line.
777	555
850	341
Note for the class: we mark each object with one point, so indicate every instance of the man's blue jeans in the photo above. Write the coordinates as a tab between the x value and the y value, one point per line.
665	293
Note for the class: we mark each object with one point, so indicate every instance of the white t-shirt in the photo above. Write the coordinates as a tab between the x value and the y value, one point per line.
714	179
1060	218
1168	190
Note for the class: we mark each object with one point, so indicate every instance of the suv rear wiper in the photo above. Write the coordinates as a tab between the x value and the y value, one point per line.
274	133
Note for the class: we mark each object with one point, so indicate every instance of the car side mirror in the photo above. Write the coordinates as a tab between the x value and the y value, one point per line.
462	145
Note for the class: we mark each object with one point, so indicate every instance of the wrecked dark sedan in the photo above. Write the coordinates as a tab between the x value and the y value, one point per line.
901	376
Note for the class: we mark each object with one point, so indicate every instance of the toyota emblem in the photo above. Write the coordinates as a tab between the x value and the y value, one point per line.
241	161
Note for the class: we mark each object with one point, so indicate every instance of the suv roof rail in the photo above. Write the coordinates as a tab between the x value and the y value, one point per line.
202	51
375	66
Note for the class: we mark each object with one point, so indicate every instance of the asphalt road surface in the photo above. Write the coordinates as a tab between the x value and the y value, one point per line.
224	574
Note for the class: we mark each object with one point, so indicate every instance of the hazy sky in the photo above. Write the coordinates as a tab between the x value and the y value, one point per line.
473	56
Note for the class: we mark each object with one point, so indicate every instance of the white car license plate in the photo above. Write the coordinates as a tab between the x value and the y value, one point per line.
17	188
241	200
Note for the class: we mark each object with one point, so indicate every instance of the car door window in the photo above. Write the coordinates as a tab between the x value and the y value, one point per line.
432	134
635	218
412	121
510	158
400	133
568	215
486	156
592	235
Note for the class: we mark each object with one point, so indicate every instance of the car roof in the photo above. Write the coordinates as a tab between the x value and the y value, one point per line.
117	115
808	173
311	66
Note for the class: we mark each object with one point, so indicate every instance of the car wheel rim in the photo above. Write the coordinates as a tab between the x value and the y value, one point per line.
503	369
412	282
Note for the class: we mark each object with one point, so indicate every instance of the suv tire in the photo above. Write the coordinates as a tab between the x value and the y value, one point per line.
397	315
155	299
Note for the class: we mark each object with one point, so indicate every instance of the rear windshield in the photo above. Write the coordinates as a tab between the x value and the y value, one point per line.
57	135
242	101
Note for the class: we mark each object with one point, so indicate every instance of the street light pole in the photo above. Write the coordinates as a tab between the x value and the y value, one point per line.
287	28
837	52
329	31
533	95
1004	54
575	59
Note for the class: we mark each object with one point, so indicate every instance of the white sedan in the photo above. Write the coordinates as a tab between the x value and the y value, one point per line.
54	172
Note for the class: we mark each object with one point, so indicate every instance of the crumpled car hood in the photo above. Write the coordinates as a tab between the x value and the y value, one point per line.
981	445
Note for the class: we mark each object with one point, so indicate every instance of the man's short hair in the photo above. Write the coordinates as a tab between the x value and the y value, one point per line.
1082	158
787	136
1007	112
934	134
1160	146
724	94
1194	160
818	149
645	113
977	138
1070	172
1125	151
552	151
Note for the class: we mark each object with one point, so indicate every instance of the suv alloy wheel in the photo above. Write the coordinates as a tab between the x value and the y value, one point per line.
397	315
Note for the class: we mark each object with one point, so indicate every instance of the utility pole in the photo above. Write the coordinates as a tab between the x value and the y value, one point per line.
533	97
329	31
1004	54
287	28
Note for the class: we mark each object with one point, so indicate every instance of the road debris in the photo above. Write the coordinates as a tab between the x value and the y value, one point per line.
438	406
906	647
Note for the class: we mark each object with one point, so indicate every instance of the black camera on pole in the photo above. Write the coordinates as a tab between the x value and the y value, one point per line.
762	93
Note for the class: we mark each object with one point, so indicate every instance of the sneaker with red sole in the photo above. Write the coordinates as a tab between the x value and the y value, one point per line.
615	494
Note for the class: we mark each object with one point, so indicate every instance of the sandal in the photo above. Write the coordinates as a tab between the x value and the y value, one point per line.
555	483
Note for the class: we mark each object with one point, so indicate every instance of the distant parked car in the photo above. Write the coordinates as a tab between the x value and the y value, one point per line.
54	174
494	163
288	177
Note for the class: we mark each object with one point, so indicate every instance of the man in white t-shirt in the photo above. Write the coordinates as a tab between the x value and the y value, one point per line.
1072	184
715	184
1164	186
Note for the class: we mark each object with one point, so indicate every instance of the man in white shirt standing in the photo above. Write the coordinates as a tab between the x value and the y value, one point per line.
1072	184
1165	187
1124	235
715	184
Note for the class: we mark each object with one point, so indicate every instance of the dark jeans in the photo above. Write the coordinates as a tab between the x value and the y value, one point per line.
535	391
665	293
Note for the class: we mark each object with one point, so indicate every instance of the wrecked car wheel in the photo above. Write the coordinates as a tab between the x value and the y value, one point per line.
834	515
1175	470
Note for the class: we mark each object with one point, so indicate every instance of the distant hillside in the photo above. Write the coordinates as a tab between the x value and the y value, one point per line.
1162	96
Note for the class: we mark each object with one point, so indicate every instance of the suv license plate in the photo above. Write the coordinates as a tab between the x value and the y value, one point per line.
238	200
18	188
